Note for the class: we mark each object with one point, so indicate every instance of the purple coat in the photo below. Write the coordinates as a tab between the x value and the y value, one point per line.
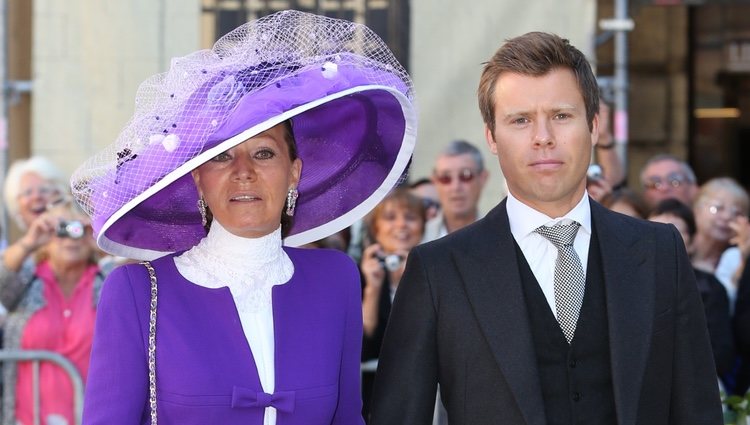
205	370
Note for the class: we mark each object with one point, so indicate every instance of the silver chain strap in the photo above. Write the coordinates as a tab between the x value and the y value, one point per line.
152	344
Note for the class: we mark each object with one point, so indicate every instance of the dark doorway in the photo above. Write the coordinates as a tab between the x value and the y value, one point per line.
719	137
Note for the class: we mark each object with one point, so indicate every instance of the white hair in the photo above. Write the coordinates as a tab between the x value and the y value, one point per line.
38	165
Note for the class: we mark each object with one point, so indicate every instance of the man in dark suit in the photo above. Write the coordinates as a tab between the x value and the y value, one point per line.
520	325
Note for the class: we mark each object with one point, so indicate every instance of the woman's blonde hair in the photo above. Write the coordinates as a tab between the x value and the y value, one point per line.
401	197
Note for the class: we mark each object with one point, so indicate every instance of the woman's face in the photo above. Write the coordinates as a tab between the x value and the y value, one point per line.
246	186
398	228
34	194
714	212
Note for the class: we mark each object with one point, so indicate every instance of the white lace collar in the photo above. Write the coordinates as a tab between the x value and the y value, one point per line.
249	267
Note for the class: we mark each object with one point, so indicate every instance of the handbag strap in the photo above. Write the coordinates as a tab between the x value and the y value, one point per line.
152	343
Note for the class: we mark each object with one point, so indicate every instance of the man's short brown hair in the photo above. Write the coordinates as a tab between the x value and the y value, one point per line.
535	54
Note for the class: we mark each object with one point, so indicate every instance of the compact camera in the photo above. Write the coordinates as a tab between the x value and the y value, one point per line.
390	262
73	229
595	172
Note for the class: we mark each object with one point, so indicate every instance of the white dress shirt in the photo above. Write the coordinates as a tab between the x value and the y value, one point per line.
540	253
250	267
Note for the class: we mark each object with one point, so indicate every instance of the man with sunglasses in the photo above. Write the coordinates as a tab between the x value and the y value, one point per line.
551	309
664	176
459	177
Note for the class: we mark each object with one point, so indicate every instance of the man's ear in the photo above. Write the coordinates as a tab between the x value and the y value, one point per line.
490	138
595	130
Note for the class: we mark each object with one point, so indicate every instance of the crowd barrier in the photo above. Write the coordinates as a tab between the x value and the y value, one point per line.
38	356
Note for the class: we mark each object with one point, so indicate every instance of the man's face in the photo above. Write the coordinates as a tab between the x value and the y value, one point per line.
459	184
542	139
667	179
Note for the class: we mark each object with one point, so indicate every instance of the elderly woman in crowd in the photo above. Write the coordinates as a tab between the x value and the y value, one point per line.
713	294
395	226
54	311
720	207
30	186
291	128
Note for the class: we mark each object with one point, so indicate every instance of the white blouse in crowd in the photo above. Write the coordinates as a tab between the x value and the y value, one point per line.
249	267
730	260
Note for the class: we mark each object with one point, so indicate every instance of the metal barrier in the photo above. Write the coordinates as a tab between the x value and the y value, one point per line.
37	356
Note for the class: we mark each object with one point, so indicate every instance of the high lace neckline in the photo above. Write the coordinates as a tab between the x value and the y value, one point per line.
249	267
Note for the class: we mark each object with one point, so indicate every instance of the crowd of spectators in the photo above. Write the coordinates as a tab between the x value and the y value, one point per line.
50	275
50	278
712	218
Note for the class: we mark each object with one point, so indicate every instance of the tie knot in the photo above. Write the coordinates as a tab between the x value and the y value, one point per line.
560	234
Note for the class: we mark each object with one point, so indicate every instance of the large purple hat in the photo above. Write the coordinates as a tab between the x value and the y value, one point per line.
353	116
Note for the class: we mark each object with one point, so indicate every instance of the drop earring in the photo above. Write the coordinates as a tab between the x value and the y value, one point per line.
291	201
202	210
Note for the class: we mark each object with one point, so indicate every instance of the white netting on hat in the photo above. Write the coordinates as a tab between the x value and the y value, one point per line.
178	112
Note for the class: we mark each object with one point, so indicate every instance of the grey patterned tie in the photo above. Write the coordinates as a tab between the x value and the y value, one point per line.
570	281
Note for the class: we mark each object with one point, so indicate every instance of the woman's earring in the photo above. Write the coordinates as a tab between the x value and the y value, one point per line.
202	210
291	201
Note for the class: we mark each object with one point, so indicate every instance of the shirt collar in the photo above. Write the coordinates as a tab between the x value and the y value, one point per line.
524	219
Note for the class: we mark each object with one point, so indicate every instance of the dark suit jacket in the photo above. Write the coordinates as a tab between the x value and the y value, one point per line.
742	329
459	318
718	320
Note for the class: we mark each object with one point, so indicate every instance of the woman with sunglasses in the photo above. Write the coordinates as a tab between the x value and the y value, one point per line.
290	129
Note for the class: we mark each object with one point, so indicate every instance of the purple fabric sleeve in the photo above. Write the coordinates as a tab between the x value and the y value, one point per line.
117	389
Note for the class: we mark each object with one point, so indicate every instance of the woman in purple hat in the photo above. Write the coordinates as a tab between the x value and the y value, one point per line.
291	128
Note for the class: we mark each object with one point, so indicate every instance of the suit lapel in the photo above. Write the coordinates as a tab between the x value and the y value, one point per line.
492	280
628	264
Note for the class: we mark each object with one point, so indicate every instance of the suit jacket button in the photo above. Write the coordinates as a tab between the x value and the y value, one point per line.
576	396
572	363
